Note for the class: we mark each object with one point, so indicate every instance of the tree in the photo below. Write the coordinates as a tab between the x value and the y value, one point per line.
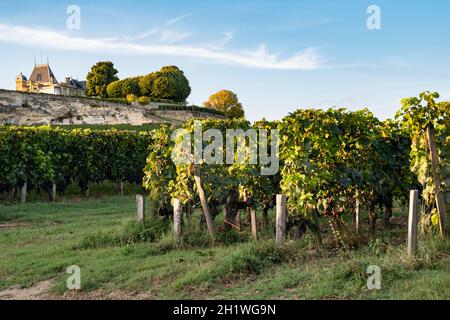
131	86
171	83
227	102
101	75
114	89
125	87
146	84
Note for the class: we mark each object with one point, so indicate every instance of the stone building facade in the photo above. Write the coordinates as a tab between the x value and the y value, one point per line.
43	80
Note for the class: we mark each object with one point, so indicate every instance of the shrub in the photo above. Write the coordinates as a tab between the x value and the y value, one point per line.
114	89
131	98
144	100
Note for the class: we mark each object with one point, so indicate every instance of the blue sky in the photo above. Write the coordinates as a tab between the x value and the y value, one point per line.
276	55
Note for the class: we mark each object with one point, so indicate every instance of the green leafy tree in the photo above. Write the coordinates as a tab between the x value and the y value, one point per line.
114	89
125	87
171	83
131	86
146	84
227	102
98	79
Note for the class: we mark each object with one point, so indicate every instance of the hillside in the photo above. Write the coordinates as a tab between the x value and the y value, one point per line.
41	109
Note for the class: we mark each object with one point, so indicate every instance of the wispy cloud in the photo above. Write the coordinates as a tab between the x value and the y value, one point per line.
227	37
161	35
307	59
178	18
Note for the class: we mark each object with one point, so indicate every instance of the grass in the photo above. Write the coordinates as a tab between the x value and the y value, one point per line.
73	193
38	241
129	127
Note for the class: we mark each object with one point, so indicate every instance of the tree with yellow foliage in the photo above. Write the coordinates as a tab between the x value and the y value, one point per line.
227	102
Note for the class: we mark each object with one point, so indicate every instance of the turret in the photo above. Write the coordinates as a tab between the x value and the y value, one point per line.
21	82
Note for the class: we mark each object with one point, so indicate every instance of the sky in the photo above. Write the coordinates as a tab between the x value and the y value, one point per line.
277	56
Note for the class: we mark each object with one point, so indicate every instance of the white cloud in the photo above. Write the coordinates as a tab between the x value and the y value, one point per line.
167	36
179	18
227	37
308	59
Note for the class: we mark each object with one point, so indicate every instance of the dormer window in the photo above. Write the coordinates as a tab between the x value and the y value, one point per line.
39	77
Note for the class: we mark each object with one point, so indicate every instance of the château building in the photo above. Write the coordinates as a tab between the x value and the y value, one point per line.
42	80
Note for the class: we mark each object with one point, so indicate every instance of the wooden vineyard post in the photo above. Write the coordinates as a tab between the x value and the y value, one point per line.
237	220
358	214
254	225
281	220
140	209
225	213
23	194
206	212
54	192
440	204
177	219
412	222
121	188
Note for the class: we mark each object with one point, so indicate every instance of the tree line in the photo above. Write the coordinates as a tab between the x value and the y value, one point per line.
169	83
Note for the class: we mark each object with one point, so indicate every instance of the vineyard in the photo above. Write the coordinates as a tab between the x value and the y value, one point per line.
334	165
46	158
331	162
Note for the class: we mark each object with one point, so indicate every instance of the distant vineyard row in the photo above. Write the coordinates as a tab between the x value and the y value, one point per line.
43	156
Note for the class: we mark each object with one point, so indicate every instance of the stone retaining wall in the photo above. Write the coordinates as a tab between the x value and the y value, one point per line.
22	108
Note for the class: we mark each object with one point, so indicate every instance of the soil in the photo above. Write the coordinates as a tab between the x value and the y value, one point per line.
36	292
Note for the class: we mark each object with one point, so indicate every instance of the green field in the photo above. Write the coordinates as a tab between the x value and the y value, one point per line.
119	259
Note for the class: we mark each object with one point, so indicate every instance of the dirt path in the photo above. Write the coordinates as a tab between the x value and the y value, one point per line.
36	292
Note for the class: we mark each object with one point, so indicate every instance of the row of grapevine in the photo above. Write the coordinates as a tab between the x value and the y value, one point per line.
327	159
43	156
428	123
236	186
333	157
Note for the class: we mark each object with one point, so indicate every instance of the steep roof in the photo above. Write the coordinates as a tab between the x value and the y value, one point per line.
43	73
74	83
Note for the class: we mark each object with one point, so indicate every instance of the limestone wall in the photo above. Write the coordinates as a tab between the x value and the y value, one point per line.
37	109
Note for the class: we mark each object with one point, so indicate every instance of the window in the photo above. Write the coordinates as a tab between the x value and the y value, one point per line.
39	77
